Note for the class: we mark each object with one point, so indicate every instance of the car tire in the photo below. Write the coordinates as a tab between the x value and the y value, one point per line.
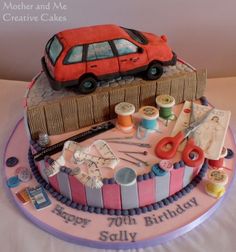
154	71
86	85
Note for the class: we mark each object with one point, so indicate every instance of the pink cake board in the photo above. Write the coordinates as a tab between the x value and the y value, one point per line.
115	232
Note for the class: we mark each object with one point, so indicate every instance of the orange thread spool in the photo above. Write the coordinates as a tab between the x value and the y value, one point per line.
218	163
124	111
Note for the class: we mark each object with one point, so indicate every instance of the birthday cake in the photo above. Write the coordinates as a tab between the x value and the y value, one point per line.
103	140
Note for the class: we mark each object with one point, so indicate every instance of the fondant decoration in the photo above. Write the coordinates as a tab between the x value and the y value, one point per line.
94	197
81	155
107	158
165	103
162	185
158	171
148	124
38	197
13	182
204	101
176	180
43	139
210	136
189	173
166	165
64	184
167	153
122	50
146	192
216	181
79	200
142	145
23	196
125	176
93	131
145	153
137	159
124	111
129	196
23	174
12	161
111	196
215	164
138	164
230	154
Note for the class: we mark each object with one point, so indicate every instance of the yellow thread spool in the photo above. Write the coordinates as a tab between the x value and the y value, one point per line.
216	180
124	111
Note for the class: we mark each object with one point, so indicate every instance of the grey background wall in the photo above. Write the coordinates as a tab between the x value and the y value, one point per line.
202	32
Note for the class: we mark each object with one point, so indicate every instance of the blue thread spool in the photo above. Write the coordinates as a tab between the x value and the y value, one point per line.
149	115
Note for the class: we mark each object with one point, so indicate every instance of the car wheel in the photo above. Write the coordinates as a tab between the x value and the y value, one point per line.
154	71
86	85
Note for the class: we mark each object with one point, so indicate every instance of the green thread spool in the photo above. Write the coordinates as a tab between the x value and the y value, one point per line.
165	104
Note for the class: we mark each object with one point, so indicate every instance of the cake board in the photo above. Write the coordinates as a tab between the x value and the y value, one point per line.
115	232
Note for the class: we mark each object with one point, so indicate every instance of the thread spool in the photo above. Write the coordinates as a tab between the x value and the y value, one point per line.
149	115
165	104
216	181
216	164
124	111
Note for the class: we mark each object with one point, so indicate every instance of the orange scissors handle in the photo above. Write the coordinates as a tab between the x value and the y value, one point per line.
191	147
167	147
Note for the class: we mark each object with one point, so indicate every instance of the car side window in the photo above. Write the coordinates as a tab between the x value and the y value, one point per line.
55	49
124	47
74	55
99	51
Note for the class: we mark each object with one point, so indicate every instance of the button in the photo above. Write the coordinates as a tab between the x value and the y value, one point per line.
166	165
12	161
158	171
125	176
230	154
13	182
23	174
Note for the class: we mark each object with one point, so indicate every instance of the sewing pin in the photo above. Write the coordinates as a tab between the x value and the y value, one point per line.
144	145
139	164
137	159
136	152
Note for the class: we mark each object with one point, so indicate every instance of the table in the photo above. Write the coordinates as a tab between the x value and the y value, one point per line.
19	234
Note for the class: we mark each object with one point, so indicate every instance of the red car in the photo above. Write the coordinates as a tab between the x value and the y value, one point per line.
82	57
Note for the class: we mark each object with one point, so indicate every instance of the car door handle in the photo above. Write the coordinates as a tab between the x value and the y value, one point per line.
93	66
123	60
134	59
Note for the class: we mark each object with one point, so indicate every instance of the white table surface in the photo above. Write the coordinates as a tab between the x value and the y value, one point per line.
18	234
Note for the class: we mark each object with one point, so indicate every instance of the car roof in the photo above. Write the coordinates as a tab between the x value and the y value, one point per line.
91	34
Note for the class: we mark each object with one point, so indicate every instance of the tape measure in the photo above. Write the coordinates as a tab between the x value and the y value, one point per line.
53	149
107	158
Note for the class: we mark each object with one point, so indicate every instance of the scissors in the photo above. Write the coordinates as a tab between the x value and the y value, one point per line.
167	147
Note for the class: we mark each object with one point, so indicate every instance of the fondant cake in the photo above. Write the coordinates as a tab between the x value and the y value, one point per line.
93	152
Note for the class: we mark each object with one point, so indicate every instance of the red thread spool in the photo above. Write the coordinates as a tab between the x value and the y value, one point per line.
124	111
218	163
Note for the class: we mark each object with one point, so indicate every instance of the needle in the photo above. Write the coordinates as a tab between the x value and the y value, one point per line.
136	152
139	164
131	143
137	159
118	138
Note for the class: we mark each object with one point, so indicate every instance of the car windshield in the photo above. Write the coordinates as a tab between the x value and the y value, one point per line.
136	35
54	49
